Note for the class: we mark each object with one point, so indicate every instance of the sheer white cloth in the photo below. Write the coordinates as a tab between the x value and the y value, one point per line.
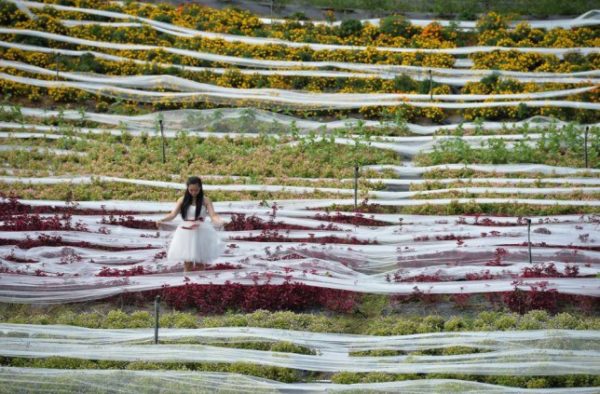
199	244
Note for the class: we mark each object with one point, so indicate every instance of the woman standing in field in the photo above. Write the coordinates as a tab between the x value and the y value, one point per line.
195	240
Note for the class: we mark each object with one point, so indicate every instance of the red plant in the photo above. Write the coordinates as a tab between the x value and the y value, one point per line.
234	296
461	299
357	219
139	270
275	236
548	271
538	297
50	240
497	260
10	205
485	275
12	257
128	221
35	222
239	222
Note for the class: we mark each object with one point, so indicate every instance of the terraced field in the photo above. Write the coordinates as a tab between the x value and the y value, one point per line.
410	206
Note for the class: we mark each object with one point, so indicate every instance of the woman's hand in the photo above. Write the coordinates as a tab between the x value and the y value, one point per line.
158	223
218	222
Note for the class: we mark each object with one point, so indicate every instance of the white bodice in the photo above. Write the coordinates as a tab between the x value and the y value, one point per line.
191	211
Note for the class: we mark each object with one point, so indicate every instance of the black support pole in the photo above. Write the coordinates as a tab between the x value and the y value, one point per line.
355	186
56	64
430	85
585	145
529	239
162	136
156	317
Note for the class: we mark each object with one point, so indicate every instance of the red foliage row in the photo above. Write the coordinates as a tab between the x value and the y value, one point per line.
357	219
537	297
129	221
35	222
10	205
141	270
234	296
499	254
546	245
275	236
15	259
449	237
135	271
241	222
549	271
50	240
540	297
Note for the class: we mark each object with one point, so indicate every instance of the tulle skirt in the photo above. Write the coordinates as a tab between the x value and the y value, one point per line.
200	245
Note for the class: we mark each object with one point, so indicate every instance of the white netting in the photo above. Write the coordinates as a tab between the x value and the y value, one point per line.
450	76
180	31
590	18
505	353
414	246
252	118
497	341
383	195
248	62
408	146
34	380
410	170
228	96
154	82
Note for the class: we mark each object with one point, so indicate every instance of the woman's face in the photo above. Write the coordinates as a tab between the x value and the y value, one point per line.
194	190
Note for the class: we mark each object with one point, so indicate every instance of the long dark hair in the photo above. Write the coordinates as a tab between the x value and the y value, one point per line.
188	198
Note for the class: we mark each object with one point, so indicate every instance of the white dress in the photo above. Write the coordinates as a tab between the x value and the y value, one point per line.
200	245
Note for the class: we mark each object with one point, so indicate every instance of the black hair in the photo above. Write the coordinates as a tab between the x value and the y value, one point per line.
188	198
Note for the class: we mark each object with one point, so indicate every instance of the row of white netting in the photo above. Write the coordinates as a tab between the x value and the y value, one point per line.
42	150
590	18
180	31
455	77
518	354
155	82
407	146
498	182
249	62
392	182
383	195
285	98
350	257
252	119
38	380
319	342
410	170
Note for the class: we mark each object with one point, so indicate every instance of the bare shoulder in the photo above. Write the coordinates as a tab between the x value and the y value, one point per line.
207	200
180	200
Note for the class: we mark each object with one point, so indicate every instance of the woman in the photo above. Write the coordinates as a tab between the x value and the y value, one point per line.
194	241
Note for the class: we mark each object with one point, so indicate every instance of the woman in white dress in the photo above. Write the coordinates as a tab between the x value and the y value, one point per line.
194	240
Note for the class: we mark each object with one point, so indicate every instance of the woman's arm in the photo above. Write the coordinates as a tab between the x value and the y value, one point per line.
214	217
173	213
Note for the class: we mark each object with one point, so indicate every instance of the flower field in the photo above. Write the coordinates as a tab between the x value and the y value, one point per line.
409	206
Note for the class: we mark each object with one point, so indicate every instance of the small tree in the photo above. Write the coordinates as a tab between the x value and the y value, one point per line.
395	25
350	27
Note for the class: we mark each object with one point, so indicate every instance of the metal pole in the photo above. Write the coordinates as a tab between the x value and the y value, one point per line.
585	145
529	239
162	136
430	85
156	317
56	63
355	187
